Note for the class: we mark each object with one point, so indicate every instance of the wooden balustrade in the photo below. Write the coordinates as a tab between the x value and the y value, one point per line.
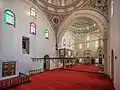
9	83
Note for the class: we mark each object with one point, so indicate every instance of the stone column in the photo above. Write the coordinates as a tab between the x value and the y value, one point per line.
105	52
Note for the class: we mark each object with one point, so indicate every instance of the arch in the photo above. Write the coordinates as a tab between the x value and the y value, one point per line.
46	62
33	28
97	17
9	18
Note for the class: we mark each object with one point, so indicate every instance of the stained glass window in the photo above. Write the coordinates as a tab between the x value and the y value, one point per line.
9	18
46	34
32	28
33	12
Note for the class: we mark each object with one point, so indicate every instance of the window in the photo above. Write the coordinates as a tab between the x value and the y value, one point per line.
25	45
96	44
112	7
88	45
62	2
69	53
32	28
80	46
33	12
88	38
9	18
46	34
80	60
64	42
49	1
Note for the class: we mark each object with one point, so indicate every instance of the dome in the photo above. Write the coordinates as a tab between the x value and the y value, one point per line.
84	25
58	6
60	2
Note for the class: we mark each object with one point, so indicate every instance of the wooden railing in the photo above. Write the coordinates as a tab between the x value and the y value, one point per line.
12	82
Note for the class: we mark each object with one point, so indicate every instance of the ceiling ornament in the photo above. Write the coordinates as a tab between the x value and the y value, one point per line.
58	13
55	19
84	26
100	6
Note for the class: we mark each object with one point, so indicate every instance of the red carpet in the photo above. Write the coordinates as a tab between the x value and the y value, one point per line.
67	80
86	68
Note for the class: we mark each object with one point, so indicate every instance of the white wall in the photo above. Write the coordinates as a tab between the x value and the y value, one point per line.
115	42
11	38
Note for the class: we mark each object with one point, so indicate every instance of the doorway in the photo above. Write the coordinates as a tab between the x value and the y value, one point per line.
112	64
46	63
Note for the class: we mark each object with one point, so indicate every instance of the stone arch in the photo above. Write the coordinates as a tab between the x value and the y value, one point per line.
97	17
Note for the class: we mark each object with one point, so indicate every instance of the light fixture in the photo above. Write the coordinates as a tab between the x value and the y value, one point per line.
87	27
88	38
88	45
80	46
96	44
94	24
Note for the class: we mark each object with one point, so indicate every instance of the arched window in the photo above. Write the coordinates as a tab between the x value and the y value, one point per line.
80	46
33	12
33	28
96	44
112	8
88	45
46	34
9	18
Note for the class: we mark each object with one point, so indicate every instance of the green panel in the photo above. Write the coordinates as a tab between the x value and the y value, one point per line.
41	64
